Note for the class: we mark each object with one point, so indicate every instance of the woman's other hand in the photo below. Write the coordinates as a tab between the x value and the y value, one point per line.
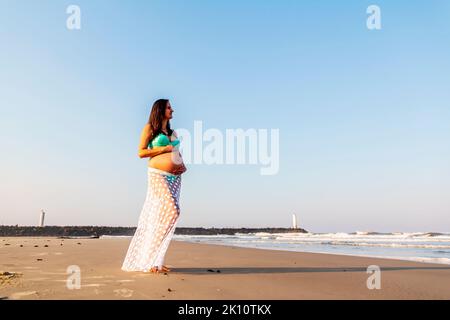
180	170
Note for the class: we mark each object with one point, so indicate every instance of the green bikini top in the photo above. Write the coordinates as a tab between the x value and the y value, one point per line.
161	140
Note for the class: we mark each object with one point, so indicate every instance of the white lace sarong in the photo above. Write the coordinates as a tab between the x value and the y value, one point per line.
157	222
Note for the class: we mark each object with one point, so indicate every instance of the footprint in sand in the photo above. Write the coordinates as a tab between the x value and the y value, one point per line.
20	295
53	273
98	277
125	293
92	285
39	254
123	281
38	279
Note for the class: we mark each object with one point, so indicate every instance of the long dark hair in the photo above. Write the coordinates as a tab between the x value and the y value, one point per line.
156	118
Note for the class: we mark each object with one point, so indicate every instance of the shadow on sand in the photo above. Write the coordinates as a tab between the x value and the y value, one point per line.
249	270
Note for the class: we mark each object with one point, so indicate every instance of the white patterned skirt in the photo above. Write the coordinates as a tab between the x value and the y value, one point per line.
157	222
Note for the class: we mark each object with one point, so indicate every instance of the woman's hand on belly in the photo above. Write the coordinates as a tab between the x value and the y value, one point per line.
169	162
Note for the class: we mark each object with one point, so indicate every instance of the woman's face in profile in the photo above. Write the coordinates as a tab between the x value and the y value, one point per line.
169	111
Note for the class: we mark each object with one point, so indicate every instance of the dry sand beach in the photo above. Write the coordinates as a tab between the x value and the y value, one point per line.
35	268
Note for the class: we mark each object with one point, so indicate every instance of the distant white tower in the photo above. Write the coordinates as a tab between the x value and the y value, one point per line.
41	219
294	221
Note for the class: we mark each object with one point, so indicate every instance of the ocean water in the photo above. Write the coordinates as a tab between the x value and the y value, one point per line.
423	247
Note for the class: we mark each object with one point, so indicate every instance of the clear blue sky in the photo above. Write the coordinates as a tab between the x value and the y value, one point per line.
364	116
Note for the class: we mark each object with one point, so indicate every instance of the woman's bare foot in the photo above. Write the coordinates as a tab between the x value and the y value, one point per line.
154	270
165	269
157	270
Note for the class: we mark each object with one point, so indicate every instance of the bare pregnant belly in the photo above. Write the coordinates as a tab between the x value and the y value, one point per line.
169	162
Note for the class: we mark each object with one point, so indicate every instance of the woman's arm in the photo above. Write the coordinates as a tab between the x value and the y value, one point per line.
144	152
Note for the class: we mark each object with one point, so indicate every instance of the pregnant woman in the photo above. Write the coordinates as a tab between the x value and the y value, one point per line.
161	209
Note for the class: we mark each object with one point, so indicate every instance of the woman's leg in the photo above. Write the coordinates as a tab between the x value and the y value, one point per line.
167	219
156	224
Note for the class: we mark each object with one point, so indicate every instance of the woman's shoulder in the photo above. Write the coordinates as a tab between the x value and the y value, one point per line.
147	130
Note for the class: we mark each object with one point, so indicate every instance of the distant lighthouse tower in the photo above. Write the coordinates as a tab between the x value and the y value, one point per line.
294	221
41	218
